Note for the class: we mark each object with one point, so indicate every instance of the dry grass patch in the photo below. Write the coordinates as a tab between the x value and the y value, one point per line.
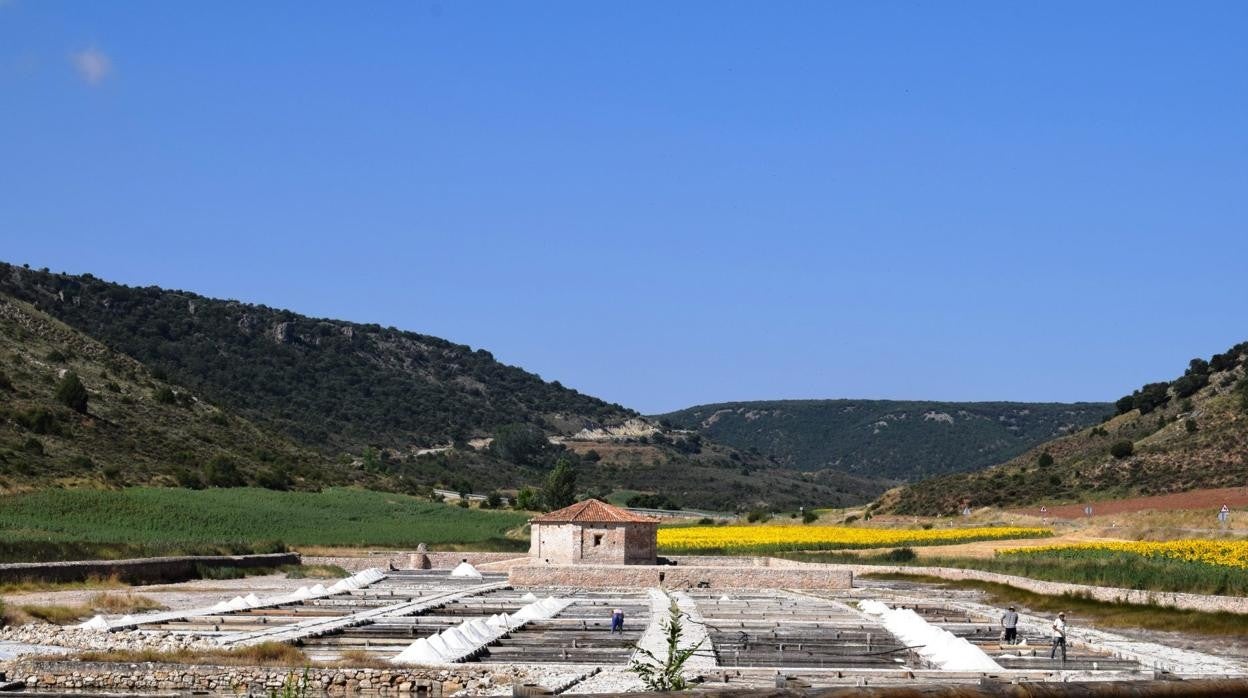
25	586
124	603
266	654
57	614
315	572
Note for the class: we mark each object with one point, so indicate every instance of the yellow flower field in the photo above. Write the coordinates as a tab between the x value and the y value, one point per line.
734	539
1226	553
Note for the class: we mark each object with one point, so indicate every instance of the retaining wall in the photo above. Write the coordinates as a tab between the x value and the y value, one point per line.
678	577
184	678
406	559
1190	602
137	571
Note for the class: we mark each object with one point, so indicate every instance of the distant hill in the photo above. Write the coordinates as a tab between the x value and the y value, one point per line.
886	439
332	384
193	391
1189	433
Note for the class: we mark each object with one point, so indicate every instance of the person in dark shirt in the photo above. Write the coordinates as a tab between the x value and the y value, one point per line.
617	620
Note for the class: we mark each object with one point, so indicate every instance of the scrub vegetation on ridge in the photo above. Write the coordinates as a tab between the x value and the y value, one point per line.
1187	434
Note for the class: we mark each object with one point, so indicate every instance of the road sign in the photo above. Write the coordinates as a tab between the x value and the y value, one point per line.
1087	511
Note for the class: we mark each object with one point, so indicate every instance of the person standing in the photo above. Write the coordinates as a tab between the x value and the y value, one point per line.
617	620
1059	636
1009	621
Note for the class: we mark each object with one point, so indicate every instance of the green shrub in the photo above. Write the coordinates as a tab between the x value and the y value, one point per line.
72	393
901	555
1122	449
164	395
1190	425
758	515
222	472
809	517
1045	460
40	420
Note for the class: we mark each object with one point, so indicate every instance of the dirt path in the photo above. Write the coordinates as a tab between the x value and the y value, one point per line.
201	592
1211	499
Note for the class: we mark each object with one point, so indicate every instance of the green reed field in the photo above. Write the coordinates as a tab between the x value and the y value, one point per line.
69	524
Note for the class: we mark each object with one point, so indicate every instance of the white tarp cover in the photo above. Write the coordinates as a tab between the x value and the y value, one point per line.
458	642
937	645
464	569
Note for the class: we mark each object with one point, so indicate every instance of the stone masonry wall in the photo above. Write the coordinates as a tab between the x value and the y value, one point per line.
404	560
678	577
1191	602
148	676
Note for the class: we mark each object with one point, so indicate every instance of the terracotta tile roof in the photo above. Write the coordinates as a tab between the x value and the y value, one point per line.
592	511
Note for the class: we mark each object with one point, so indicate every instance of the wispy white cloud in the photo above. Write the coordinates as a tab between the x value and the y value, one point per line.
93	65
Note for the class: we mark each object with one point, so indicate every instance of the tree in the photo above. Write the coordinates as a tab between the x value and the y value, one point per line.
522	444
527	499
559	490
1190	425
1045	460
221	472
72	393
1151	396
1122	449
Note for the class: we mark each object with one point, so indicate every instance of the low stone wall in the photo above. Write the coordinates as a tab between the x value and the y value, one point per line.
1190	602
406	559
678	577
147	676
137	571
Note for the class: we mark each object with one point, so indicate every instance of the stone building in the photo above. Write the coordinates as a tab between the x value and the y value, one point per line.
594	532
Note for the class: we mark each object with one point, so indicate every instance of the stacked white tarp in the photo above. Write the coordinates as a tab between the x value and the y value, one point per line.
529	597
419	652
358	580
935	644
96	623
465	639
464	569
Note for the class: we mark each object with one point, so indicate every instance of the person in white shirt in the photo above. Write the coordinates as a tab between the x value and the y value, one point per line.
1059	636
1009	621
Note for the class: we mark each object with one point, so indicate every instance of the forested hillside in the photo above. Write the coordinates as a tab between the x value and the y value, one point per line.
334	385
73	412
899	440
104	385
1173	436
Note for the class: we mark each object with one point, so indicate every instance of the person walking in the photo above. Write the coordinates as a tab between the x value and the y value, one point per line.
1059	636
617	620
1009	621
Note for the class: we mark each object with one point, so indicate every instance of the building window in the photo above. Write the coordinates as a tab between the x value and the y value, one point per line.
597	539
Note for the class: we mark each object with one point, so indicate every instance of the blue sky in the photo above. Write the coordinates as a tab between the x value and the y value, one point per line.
663	204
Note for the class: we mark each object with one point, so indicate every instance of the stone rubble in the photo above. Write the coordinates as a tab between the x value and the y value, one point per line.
77	638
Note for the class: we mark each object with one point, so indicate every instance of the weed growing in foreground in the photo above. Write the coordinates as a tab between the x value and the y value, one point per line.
666	675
